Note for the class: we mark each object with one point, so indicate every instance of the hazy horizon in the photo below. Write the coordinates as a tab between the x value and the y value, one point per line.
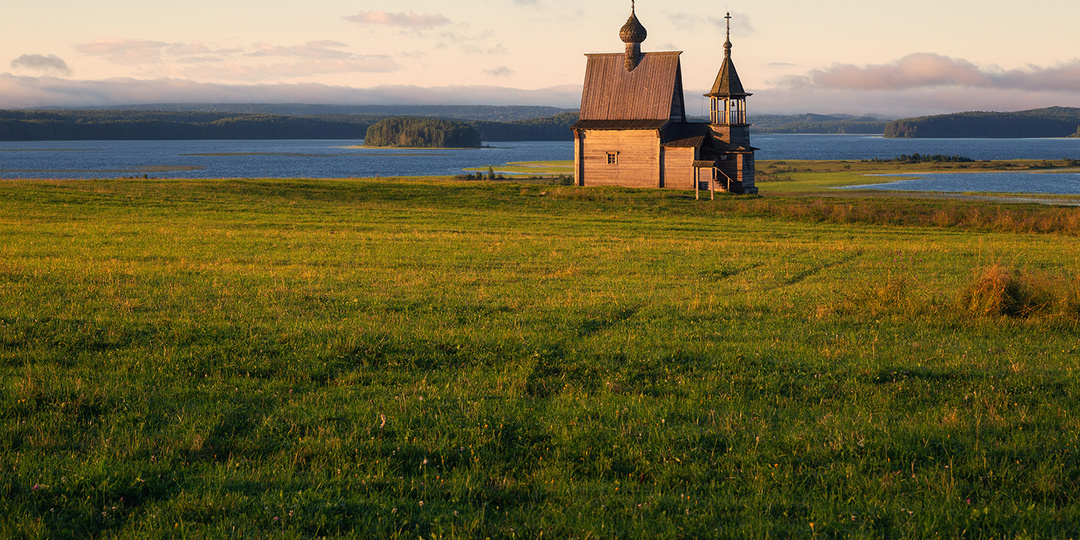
826	57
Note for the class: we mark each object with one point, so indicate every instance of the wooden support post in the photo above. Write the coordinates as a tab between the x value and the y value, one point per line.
697	183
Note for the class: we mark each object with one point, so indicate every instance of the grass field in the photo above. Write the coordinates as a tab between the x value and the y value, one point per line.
407	358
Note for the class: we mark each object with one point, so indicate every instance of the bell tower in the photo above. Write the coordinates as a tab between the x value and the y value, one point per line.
727	101
728	126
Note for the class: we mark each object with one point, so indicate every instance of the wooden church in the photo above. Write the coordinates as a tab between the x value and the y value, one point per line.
633	130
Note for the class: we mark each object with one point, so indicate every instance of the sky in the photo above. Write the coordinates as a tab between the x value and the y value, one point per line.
881	57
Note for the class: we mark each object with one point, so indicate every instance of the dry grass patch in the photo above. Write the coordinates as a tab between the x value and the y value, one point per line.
1002	291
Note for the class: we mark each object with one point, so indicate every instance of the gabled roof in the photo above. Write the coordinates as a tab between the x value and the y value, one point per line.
646	93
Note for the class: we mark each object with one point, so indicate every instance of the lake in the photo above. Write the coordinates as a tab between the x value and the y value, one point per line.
255	159
342	158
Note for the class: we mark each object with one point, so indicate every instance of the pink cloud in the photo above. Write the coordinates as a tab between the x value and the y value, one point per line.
928	70
125	51
141	51
408	20
311	49
198	61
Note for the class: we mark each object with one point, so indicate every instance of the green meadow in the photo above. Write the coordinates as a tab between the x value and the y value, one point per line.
418	358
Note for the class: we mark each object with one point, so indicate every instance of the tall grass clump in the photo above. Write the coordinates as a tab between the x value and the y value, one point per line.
999	290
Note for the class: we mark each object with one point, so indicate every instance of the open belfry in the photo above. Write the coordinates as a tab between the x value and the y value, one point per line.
633	129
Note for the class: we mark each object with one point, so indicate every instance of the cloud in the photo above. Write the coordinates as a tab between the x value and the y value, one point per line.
920	84
474	44
42	63
903	103
24	92
198	61
500	71
133	52
311	49
125	51
407	20
684	19
235	71
928	70
741	25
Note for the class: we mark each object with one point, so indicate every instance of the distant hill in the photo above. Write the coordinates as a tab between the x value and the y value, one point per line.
1035	123
552	128
818	123
69	125
488	113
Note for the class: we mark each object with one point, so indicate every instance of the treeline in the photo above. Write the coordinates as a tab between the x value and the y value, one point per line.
553	128
923	158
485	113
150	125
410	132
68	125
113	124
1035	123
818	123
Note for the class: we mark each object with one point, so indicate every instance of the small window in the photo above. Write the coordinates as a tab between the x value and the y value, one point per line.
613	158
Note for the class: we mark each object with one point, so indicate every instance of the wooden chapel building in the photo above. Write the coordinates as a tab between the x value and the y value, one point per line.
633	129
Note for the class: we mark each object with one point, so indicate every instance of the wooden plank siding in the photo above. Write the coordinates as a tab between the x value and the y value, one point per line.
746	170
637	158
678	167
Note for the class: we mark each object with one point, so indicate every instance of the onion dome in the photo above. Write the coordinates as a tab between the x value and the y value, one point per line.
632	34
633	31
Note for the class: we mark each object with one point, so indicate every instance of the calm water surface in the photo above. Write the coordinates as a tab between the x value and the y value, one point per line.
254	159
342	159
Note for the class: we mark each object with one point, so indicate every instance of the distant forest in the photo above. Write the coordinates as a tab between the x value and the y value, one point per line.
67	125
1049	122
818	123
488	113
230	122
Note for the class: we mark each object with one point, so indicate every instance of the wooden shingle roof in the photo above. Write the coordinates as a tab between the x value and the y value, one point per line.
619	125
652	91
685	135
727	83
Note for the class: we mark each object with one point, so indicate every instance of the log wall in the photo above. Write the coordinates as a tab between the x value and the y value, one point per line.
678	168
638	162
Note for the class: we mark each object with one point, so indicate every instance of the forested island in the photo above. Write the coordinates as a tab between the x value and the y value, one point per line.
409	132
1035	123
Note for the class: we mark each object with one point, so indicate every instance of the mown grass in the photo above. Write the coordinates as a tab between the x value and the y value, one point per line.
423	359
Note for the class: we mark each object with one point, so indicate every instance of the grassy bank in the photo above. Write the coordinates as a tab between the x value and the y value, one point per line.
421	359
